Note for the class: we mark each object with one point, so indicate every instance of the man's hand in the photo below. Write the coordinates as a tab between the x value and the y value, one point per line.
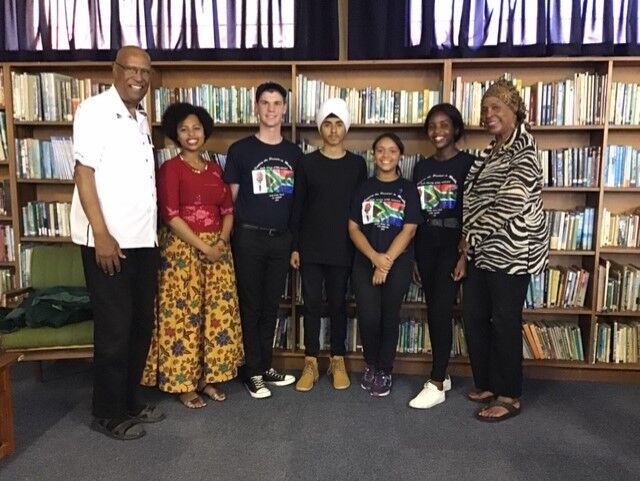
108	253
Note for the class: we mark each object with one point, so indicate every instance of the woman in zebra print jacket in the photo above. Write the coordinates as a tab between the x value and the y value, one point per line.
505	237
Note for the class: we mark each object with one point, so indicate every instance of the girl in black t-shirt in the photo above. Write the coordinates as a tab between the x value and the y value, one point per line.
440	181
383	220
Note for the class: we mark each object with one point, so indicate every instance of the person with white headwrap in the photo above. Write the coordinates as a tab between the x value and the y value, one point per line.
325	180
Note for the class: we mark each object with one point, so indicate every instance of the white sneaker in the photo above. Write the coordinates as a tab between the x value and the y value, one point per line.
427	398
446	385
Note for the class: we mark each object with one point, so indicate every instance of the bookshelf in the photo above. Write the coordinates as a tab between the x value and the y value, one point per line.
360	79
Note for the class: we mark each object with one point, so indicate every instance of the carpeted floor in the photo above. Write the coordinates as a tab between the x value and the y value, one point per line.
567	431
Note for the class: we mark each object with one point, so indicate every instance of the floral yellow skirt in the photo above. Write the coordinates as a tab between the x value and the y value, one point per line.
197	334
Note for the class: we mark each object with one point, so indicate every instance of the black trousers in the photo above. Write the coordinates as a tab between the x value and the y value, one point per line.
492	312
261	263
378	308
435	264
123	315
335	281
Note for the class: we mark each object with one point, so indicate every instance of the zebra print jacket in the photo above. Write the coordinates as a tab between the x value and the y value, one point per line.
503	220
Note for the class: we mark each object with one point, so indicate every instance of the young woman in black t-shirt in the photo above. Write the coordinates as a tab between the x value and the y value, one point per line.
384	215
440	181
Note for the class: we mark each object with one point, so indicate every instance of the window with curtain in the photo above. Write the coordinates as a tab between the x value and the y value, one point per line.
162	24
430	28
168	25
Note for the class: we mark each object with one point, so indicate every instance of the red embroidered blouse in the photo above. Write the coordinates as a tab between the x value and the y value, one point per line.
200	199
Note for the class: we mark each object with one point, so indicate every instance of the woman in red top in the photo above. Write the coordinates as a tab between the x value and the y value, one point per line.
197	340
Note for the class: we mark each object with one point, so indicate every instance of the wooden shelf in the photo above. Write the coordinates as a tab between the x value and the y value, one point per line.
7	263
545	128
49	240
621	190
42	123
6	218
559	311
570	190
377	126
46	181
228	126
618	314
571	253
624	127
620	250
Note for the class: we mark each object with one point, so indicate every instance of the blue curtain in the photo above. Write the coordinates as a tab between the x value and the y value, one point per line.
467	28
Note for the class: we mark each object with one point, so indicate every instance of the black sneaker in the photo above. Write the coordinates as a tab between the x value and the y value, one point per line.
277	379
257	389
381	384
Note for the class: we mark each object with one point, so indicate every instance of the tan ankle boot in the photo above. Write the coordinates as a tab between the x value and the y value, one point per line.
309	374
339	372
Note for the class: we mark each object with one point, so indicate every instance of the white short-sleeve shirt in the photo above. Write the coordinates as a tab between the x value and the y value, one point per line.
107	138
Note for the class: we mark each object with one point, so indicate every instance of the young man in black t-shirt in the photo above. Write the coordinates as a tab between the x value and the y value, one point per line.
322	249
260	170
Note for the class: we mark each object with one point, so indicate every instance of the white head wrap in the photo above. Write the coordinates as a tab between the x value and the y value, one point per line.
337	107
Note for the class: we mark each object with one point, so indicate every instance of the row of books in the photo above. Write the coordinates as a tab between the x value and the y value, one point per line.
7	241
369	105
570	167
578	100
617	341
46	219
5	197
45	159
166	153
571	230
624	104
50	96
558	287
621	166
544	339
552	340
620	230
7	280
226	105
618	286
4	149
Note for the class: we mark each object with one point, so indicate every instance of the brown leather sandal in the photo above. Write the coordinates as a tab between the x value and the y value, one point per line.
212	392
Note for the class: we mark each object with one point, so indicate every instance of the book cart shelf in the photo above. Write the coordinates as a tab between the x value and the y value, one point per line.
409	75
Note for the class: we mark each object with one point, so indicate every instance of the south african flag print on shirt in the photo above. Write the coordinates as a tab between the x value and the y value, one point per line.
438	196
383	212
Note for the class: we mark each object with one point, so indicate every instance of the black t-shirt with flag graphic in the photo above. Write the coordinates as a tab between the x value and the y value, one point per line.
265	174
440	187
382	208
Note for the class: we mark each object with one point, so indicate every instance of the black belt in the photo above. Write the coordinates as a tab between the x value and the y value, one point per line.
449	222
267	230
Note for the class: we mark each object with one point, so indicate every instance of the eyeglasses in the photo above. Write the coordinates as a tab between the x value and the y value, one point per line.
132	71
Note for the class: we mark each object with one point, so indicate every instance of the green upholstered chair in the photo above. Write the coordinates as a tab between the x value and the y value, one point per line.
52	266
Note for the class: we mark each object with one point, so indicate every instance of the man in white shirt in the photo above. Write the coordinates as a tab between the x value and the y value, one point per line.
113	218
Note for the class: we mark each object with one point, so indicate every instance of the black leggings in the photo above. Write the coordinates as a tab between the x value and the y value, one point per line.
436	263
378	308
